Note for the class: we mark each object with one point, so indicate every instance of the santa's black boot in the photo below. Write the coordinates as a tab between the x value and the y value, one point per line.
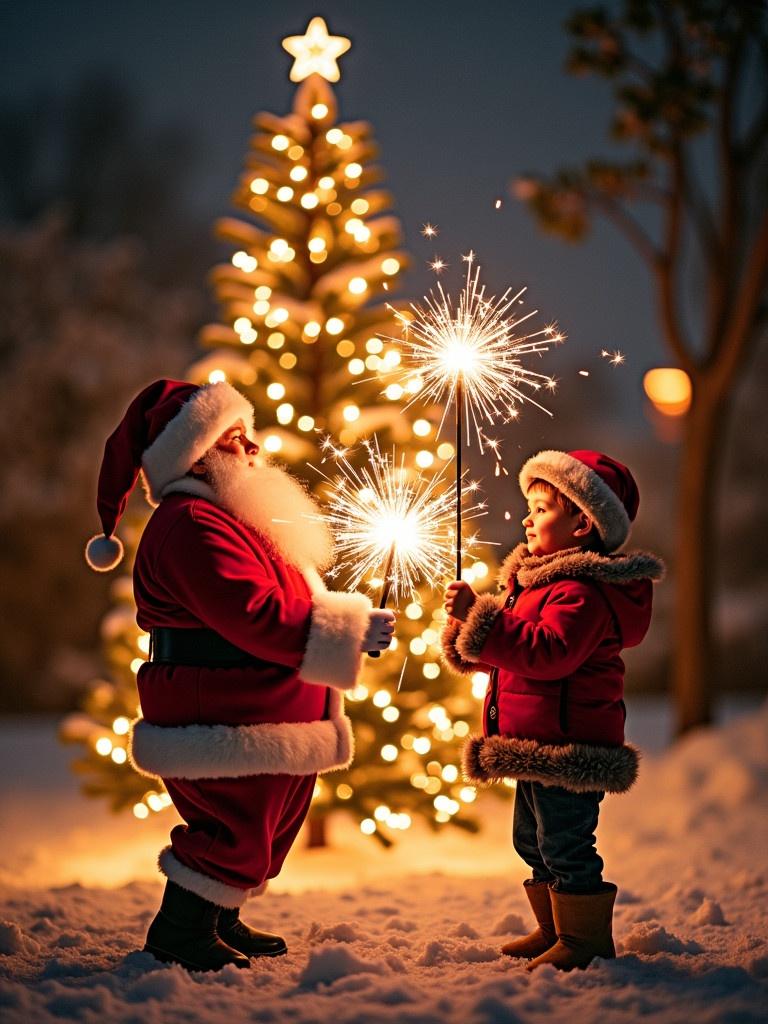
184	932
239	936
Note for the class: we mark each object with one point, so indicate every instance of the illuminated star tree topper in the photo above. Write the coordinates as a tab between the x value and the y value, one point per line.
316	53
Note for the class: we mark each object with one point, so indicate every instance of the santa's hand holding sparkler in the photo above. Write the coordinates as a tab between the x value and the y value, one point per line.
381	627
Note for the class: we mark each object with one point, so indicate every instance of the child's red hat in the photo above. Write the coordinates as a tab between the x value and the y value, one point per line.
601	486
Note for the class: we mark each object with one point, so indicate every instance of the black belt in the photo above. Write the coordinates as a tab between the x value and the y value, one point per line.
199	647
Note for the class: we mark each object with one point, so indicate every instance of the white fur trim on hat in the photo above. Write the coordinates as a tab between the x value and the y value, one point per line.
236	751
103	553
585	488
208	888
193	430
339	623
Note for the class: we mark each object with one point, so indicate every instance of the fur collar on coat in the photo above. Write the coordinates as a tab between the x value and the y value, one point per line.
576	563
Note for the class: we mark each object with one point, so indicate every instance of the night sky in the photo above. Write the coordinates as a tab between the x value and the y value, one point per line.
462	97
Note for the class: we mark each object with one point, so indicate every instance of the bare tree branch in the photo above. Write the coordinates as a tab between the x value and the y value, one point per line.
667	270
699	211
757	134
748	306
626	223
723	269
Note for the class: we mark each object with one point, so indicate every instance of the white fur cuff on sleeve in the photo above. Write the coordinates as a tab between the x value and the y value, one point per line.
339	624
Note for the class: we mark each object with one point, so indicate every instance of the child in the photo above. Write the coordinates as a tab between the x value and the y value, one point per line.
554	714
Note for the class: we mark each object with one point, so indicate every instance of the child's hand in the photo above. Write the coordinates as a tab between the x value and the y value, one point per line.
459	598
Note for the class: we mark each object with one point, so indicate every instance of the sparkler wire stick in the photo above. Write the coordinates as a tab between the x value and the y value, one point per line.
459	398
385	589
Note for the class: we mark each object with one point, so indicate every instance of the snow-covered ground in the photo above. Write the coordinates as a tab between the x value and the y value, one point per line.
407	935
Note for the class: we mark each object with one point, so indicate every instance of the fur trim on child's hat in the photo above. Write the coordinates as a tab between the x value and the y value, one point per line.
600	486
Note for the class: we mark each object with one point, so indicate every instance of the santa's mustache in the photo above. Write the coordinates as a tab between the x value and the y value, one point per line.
269	499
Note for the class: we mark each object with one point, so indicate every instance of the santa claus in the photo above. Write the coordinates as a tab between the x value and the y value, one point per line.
241	696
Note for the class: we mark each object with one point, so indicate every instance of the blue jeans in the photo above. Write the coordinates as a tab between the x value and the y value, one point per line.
554	833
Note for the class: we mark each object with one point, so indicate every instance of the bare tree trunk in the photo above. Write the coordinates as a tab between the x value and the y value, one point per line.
693	663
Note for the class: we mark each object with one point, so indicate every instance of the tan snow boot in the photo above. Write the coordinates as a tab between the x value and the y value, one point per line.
541	938
583	926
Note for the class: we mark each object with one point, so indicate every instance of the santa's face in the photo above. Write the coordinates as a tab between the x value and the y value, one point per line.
237	443
234	442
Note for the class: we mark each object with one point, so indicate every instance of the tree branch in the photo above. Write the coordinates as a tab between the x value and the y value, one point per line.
724	267
756	135
666	271
747	308
627	225
699	210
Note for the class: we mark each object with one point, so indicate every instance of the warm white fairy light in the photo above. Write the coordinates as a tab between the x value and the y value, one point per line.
383	509
477	343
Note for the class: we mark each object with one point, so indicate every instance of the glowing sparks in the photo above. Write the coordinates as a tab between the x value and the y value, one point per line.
438	265
615	358
429	230
474	348
497	204
392	526
316	53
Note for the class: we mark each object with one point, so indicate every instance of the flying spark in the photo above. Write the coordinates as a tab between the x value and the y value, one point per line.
392	525
438	265
429	230
498	204
615	358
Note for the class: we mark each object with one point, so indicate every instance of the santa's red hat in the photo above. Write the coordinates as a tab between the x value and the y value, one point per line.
167	427
601	486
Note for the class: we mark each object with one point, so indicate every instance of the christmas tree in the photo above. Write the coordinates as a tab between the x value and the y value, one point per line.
304	333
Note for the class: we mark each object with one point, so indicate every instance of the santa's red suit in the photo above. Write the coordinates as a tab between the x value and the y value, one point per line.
237	746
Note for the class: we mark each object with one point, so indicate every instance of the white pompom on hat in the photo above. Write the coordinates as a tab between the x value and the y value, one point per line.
167	427
601	486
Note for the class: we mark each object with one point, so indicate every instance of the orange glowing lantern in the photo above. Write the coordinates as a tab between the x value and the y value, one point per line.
669	389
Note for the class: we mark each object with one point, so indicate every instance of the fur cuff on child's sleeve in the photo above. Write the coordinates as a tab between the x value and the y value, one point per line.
474	632
451	656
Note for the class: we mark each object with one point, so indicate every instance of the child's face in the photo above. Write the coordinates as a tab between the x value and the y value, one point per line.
549	528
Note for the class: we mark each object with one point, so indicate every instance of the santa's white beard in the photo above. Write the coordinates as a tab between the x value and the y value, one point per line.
271	501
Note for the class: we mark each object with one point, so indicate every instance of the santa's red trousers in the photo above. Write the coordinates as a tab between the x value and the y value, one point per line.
239	831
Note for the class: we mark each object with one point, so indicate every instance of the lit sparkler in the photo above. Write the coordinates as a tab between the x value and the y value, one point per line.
469	356
392	525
